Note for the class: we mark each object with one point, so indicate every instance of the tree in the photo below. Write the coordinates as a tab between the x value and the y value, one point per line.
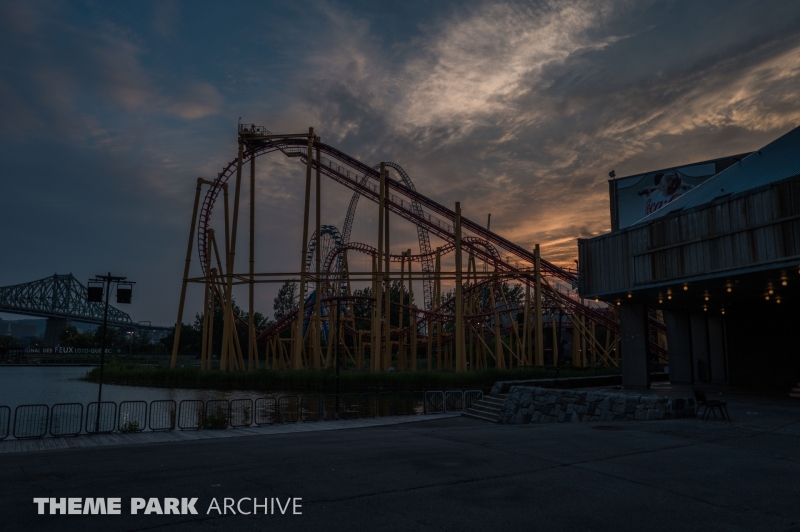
72	337
286	301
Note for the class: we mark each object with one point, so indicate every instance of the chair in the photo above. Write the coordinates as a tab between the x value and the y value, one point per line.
710	406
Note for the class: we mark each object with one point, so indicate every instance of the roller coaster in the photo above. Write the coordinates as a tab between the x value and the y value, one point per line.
380	327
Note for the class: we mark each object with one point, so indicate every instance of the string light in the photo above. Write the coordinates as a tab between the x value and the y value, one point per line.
685	286
730	289
784	282
630	295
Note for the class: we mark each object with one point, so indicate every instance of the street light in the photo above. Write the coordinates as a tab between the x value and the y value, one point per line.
95	295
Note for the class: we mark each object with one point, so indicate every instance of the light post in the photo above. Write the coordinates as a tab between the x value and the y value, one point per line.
95	295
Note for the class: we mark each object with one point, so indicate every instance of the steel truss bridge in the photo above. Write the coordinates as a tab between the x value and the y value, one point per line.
61	297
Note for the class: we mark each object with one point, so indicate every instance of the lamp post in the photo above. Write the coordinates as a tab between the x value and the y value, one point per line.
95	295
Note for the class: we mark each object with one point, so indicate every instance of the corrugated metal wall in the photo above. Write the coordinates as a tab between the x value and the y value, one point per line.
752	229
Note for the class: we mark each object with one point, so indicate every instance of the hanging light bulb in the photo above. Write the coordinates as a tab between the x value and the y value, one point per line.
685	286
767	298
730	289
669	296
778	301
705	308
617	303
770	291
630	295
784	282
723	311
660	301
706	298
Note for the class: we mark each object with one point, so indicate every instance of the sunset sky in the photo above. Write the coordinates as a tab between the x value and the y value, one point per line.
111	110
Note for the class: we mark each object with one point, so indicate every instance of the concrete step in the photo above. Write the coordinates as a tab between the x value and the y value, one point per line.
484	409
475	415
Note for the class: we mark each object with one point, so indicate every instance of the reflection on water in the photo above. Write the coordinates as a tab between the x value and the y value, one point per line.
26	385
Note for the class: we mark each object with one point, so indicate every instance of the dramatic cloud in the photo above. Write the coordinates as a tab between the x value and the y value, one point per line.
518	109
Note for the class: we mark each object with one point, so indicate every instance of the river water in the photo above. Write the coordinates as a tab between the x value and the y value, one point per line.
26	385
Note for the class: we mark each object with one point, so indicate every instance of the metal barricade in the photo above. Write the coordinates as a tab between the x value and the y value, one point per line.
241	413
349	407
5	422
217	414
368	405
162	414
288	409
453	401
418	403
471	397
265	411
386	404
66	419
132	416
30	421
191	414
310	407
404	403
434	402
329	407
108	417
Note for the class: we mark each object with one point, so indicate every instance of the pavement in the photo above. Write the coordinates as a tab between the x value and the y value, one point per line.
443	474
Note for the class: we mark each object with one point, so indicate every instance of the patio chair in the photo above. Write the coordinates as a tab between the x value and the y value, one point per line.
710	406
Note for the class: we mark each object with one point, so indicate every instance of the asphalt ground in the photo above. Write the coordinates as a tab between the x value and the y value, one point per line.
447	474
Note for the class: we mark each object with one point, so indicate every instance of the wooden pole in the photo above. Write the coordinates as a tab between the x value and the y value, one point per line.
555	341
526	332
230	328
178	324
460	355
387	301
499	356
413	321
537	272
297	346
207	309
401	354
252	349
438	307
317	260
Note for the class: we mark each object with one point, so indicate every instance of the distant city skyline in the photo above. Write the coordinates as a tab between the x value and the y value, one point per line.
519	109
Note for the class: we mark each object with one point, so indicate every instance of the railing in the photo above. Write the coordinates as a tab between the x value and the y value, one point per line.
72	419
66	419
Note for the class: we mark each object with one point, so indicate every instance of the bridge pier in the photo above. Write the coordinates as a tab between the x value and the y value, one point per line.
53	330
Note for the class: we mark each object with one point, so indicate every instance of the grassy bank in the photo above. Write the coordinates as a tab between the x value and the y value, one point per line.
263	379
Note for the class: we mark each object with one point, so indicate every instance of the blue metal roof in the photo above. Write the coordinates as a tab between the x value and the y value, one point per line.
777	160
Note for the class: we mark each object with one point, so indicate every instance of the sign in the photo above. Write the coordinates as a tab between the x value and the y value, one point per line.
640	195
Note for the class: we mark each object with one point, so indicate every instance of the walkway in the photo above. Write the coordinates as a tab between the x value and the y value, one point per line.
107	440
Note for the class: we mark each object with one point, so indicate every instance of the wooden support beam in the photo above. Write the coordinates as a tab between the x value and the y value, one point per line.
537	273
178	324
460	355
297	347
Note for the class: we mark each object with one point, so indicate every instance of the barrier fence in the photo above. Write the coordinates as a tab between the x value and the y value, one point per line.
71	419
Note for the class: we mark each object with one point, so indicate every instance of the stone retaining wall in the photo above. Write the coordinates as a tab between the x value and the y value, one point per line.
526	404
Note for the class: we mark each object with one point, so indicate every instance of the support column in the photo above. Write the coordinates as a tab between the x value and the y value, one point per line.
633	333
679	346
387	283
178	323
297	346
318	286
537	273
461	360
375	359
716	348
252	349
699	327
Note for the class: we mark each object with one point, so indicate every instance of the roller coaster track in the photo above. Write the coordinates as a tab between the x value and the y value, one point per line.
422	232
403	201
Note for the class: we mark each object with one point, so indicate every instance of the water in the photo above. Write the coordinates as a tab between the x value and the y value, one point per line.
26	385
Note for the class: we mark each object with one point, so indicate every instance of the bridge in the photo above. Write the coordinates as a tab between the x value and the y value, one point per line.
61	299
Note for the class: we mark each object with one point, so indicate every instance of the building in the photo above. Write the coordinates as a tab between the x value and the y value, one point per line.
722	263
